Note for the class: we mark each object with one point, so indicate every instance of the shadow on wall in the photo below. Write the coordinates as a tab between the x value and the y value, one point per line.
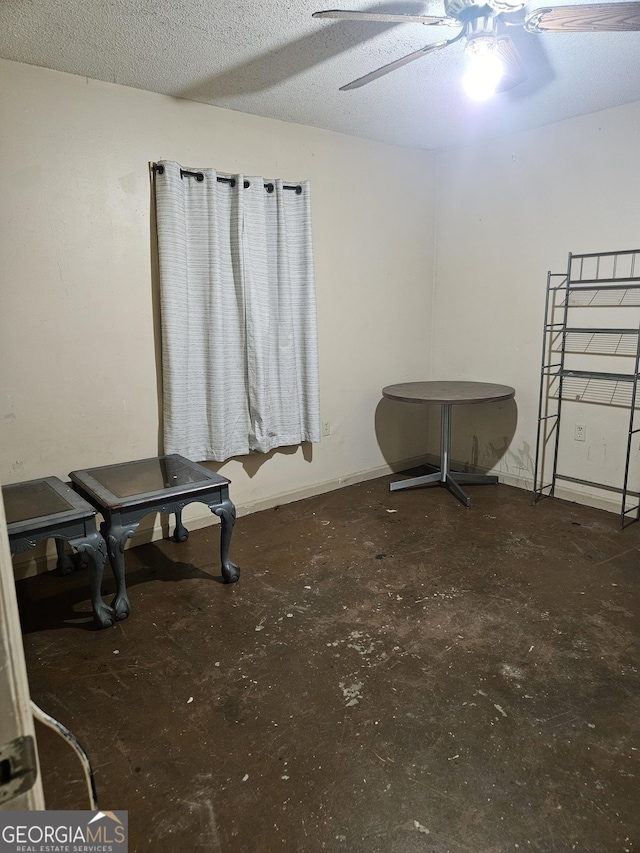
252	462
402	432
481	436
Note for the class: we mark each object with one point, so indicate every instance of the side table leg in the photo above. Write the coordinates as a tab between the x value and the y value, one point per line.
116	536
95	548
180	534
227	512
64	564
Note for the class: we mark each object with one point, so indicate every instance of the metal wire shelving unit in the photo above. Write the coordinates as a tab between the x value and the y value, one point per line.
604	280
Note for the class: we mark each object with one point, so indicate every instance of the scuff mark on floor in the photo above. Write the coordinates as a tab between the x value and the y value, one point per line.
352	692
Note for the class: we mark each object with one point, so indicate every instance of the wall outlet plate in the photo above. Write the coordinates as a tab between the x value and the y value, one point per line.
580	432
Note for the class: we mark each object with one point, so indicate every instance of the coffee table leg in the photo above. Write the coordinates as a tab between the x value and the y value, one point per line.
180	534
64	564
116	536
95	548
227	512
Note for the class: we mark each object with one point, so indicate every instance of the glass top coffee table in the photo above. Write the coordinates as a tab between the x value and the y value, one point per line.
124	493
48	509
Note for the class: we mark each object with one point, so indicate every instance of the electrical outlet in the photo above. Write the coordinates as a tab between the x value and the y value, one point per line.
326	428
580	432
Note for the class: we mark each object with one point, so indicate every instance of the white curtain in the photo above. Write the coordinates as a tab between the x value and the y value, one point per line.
239	334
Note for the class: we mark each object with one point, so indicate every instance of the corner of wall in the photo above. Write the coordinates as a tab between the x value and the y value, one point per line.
434	271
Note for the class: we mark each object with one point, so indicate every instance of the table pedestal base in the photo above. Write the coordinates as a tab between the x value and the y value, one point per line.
451	481
443	475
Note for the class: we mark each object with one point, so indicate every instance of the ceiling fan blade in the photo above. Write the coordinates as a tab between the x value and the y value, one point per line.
514	72
597	17
386	18
398	63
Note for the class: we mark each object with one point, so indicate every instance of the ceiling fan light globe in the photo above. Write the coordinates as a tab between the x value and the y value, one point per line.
483	74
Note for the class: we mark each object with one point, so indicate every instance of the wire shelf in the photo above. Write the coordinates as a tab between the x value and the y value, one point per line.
600	342
589	389
604	297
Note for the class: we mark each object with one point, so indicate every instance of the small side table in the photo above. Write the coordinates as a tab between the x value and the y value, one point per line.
48	509
447	394
124	493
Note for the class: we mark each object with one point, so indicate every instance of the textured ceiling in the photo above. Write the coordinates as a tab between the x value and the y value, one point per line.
270	58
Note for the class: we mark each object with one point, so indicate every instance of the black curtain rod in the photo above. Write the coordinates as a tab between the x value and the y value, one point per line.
268	185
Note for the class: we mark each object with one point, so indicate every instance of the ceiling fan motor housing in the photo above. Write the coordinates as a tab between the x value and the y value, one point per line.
506	5
467	10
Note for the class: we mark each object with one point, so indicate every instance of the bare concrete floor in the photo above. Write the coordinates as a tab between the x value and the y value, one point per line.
393	672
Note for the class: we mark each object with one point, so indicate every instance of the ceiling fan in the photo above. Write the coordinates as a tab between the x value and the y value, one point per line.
494	62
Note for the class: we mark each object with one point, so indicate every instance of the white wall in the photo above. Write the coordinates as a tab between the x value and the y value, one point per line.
79	326
509	211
